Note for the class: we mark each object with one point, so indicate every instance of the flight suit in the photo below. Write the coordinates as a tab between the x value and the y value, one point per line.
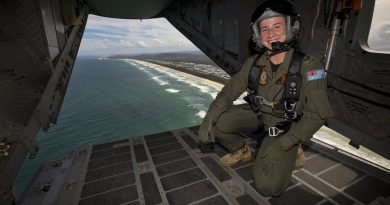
276	158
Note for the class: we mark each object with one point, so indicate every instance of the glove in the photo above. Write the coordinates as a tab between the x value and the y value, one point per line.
206	148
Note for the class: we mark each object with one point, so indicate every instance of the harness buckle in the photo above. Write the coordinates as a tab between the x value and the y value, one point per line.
289	105
258	100
290	115
262	101
274	131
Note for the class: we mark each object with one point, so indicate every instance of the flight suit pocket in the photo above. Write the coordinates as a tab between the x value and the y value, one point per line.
321	102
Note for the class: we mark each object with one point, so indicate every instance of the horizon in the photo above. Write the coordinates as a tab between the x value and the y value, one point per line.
151	53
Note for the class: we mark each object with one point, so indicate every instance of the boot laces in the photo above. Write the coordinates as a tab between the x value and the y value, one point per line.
237	154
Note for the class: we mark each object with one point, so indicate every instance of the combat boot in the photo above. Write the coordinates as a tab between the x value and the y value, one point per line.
300	161
243	154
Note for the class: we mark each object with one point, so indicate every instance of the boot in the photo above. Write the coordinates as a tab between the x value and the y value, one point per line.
243	154
300	161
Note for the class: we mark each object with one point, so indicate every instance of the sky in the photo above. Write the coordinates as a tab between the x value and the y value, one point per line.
107	36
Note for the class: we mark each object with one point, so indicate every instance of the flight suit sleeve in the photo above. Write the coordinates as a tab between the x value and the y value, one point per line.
316	107
229	93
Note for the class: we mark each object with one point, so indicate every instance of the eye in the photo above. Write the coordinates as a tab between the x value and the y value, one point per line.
264	30
278	27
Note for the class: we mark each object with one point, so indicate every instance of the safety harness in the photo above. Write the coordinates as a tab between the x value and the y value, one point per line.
287	103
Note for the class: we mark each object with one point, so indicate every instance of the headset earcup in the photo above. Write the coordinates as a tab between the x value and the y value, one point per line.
256	36
295	27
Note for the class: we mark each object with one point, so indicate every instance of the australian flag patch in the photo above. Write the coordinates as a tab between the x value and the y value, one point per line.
315	74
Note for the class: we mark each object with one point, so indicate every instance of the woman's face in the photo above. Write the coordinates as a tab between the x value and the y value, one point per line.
273	29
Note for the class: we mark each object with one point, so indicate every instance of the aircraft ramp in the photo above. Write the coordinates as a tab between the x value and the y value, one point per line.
167	168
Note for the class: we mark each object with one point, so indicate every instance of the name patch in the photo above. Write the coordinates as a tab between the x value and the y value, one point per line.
315	74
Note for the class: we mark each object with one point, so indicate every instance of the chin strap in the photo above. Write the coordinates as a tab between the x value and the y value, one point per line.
279	47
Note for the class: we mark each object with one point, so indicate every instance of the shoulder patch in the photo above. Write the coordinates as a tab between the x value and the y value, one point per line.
315	74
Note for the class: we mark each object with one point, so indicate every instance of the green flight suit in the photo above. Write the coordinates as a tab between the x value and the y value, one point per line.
276	158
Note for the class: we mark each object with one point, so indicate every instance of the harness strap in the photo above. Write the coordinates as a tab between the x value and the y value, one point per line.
292	88
291	93
295	66
253	87
254	76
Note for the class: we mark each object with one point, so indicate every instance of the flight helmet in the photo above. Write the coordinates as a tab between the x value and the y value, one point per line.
273	8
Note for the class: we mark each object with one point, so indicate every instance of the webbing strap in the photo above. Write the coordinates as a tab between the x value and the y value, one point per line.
296	63
254	75
293	74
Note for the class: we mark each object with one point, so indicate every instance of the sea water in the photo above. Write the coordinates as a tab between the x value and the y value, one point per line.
109	100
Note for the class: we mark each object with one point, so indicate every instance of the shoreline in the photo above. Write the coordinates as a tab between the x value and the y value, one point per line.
201	75
214	84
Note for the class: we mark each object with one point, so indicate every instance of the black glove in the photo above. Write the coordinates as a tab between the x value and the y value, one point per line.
206	148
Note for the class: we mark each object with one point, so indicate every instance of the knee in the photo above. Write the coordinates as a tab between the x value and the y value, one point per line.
223	126
269	189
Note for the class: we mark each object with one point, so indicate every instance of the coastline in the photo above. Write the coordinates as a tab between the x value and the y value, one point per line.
194	73
181	73
205	80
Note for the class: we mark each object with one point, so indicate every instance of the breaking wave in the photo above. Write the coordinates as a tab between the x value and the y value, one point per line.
172	90
168	71
201	114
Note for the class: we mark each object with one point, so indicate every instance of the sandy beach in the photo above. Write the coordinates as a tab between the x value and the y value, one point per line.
213	84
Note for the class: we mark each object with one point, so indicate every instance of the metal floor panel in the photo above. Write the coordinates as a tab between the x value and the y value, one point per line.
167	168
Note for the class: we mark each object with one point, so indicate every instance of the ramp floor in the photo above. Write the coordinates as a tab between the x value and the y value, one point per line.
167	168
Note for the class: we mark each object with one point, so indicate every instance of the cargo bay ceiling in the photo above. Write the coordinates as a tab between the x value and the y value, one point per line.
39	41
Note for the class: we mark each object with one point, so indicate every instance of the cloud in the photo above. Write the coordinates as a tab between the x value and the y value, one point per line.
107	36
379	37
142	44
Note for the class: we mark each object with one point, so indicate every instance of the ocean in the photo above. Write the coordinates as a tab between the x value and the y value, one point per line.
109	100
